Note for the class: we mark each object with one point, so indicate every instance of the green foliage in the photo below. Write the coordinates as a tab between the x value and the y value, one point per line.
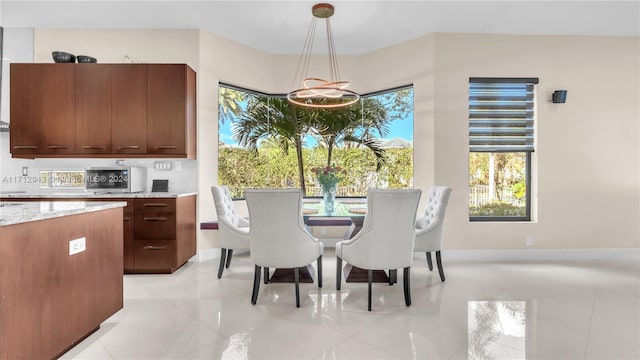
271	168
497	209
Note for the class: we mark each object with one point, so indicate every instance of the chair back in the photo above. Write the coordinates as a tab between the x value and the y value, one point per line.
387	236
278	236
432	219
229	222
437	201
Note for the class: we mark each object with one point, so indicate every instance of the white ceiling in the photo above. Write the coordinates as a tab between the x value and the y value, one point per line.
280	27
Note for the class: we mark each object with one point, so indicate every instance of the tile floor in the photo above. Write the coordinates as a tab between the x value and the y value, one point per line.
484	310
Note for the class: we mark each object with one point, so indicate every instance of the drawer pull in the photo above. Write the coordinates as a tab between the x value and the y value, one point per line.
166	147
126	219
155	205
57	147
19	147
128	147
89	147
152	247
155	219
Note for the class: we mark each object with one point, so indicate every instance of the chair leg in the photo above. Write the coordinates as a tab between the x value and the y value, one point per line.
223	255
338	273
429	263
320	271
266	275
229	255
256	285
296	277
439	261
370	280
407	285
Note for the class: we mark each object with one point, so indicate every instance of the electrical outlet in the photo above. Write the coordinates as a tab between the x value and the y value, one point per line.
177	165
529	240
323	230
77	246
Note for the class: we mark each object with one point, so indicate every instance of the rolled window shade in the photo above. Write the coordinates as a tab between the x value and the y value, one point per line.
501	115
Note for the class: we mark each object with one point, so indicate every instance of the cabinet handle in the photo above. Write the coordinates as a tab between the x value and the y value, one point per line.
25	147
155	205
126	219
151	247
128	147
56	147
166	147
92	147
155	219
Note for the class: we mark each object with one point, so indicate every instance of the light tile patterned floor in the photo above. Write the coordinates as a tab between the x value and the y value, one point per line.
552	310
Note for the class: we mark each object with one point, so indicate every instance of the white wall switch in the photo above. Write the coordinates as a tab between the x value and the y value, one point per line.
77	246
164	165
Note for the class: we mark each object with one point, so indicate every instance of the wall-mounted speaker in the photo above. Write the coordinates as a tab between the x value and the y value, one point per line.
559	97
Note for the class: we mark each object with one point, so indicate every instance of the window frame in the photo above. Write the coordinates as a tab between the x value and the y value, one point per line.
528	153
363	95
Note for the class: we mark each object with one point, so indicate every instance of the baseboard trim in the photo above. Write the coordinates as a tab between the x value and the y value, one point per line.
499	254
540	254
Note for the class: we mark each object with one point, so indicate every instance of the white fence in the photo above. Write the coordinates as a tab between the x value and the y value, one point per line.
479	195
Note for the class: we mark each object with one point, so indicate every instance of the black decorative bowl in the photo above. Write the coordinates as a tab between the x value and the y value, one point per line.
63	57
86	59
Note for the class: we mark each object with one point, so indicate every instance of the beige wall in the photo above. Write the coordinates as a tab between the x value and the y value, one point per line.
587	160
586	176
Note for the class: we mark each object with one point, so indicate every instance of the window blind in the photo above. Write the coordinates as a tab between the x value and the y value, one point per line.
501	114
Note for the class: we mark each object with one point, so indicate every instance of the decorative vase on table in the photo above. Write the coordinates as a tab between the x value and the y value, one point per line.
328	178
329	196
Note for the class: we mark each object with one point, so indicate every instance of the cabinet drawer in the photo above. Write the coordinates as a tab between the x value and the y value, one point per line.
156	255
155	219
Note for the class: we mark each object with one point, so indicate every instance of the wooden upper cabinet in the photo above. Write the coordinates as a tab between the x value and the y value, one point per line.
171	110
103	110
42	109
129	108
93	109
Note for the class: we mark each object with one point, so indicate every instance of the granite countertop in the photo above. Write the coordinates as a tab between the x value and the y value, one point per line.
12	213
90	195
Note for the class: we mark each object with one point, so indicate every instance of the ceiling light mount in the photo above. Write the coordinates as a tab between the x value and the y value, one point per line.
315	92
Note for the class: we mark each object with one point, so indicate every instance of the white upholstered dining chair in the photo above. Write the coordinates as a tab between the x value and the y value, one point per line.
233	230
386	239
278	236
429	225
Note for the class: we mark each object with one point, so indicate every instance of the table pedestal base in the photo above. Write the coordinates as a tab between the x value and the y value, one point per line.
286	275
356	274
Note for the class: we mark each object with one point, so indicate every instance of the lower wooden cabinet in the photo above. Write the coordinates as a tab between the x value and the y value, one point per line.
164	234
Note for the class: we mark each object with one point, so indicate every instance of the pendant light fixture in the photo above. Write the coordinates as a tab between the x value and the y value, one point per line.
314	92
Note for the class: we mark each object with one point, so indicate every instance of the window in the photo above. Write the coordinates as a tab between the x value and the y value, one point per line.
264	142
501	140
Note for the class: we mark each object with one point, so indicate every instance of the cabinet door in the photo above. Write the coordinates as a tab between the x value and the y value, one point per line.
93	109
42	108
166	109
129	108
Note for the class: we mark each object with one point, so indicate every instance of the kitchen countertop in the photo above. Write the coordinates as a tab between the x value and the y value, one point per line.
90	195
12	213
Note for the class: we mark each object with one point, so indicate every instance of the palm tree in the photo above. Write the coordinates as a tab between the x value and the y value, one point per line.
230	101
276	120
359	125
